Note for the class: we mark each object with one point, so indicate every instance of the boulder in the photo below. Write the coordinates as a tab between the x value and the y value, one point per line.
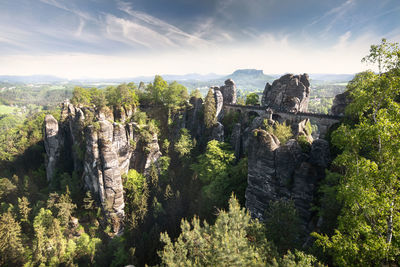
289	93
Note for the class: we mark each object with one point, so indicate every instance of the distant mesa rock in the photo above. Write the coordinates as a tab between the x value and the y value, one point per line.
289	93
229	92
247	72
340	103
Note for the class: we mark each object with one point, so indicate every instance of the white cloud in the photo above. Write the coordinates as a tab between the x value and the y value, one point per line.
272	54
129	32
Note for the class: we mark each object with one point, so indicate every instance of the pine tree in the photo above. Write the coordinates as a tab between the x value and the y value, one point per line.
11	249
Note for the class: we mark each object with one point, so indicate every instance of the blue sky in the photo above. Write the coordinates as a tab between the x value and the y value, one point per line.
121	38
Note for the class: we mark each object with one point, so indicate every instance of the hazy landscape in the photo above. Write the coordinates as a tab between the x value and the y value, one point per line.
199	133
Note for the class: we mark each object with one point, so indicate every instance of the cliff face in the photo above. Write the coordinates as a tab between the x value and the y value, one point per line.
283	172
102	152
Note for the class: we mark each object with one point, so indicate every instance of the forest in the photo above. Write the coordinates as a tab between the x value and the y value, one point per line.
189	209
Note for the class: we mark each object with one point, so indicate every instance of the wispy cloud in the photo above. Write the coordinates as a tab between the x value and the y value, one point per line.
156	25
74	10
332	16
131	33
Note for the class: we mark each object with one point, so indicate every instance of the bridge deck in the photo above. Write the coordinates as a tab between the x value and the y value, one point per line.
307	114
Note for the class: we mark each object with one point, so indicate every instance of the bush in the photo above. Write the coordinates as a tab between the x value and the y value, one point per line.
304	144
282	131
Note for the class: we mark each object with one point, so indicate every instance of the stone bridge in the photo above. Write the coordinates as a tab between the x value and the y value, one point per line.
323	121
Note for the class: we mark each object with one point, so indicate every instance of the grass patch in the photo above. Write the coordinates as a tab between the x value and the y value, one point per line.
4	109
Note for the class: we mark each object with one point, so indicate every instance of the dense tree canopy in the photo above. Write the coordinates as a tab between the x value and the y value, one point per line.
368	226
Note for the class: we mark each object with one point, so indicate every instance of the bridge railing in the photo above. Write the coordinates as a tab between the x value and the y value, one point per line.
306	114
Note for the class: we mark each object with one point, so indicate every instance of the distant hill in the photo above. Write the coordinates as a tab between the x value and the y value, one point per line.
250	79
30	79
331	78
245	79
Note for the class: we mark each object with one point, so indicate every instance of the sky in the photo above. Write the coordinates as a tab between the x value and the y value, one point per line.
129	38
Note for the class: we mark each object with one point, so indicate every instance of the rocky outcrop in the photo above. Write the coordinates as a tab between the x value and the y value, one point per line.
102	151
289	93
193	120
283	172
217	132
236	139
340	103
52	145
219	102
229	92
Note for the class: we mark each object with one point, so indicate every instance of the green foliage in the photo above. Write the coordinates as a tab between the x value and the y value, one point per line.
196	93
16	141
219	175
229	120
252	99
368	226
282	131
184	145
173	95
140	117
121	96
226	243
98	98
81	96
304	144
6	187
320	105
23	209
11	249
215	162
282	214
136	195
209	109
330	206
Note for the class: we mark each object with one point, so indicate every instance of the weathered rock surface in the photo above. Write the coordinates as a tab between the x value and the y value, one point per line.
236	139
52	145
219	102
340	103
283	172
217	132
193	120
229	92
289	93
102	151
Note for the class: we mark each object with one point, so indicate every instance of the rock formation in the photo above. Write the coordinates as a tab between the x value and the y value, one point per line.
283	172
229	92
289	93
102	151
340	103
51	144
219	102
